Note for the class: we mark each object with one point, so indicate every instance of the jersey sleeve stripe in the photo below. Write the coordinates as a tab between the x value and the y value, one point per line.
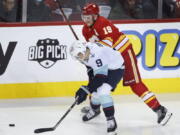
107	42
104	43
108	38
123	42
121	38
124	46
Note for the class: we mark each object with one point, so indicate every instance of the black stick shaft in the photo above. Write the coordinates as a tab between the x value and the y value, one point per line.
41	130
75	35
72	106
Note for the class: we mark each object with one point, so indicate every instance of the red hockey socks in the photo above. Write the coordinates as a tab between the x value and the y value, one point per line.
147	96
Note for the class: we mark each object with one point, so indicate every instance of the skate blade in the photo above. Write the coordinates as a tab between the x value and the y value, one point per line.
166	119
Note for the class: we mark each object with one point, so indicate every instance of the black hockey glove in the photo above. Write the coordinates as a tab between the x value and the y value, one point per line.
81	94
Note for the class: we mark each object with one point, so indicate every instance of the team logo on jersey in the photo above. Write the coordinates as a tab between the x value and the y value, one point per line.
47	52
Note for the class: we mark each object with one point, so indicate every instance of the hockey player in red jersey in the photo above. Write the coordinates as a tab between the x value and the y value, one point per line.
98	28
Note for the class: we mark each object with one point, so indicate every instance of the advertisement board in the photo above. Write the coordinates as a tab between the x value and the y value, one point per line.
36	58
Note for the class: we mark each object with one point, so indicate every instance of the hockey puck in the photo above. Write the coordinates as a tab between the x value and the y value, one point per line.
12	125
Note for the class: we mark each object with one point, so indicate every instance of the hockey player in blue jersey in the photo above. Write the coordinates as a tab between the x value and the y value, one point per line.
107	67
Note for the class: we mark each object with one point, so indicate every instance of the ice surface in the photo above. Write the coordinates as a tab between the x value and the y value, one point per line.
133	117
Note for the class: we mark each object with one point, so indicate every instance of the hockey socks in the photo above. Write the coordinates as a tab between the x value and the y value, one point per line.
147	96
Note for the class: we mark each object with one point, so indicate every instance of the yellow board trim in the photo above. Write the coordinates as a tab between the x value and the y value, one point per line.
64	89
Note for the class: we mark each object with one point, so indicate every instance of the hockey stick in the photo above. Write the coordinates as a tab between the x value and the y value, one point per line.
40	130
66	19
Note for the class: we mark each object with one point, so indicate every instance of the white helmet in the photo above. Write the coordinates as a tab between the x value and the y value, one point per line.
76	48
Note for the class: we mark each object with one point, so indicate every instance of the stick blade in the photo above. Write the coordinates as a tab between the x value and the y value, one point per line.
40	130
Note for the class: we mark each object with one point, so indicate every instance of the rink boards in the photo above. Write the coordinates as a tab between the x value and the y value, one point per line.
35	60
63	89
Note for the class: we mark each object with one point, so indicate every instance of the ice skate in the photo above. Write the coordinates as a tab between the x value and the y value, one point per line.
111	126
85	109
163	115
91	114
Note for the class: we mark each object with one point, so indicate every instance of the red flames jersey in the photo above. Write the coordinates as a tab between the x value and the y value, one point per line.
103	29
108	34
